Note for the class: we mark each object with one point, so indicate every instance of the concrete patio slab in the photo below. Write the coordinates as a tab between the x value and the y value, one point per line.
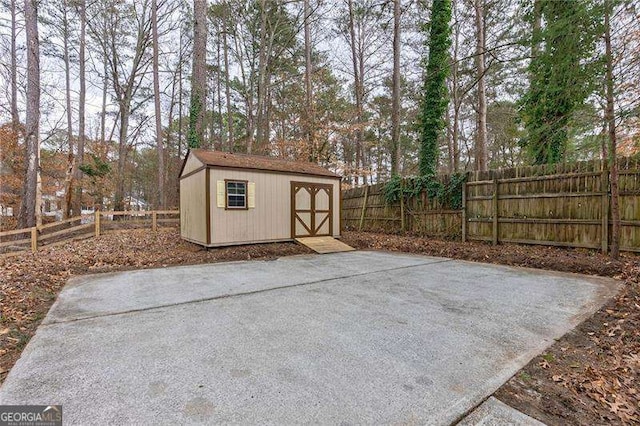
104	294
494	412
357	337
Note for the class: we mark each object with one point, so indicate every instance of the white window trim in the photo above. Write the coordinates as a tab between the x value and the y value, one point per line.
244	196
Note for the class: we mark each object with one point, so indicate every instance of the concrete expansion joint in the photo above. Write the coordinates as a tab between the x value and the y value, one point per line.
246	293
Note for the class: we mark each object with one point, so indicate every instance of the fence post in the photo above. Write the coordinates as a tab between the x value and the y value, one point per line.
34	239
154	221
464	212
97	222
402	209
495	211
604	188
364	207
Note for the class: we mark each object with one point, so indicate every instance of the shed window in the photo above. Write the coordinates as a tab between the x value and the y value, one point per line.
236	194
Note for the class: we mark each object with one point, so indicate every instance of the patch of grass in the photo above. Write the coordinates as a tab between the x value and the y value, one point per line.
21	337
548	357
43	294
524	376
38	316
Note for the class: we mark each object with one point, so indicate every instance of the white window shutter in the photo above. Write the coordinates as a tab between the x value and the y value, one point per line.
221	194
251	195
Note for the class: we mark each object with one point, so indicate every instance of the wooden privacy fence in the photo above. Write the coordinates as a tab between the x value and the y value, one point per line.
365	208
85	226
559	205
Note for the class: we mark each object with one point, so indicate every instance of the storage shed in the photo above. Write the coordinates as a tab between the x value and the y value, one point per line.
228	199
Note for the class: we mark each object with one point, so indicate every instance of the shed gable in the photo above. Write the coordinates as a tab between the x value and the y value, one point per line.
191	164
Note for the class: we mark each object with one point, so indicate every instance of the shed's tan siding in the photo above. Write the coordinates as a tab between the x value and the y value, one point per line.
193	221
270	220
192	163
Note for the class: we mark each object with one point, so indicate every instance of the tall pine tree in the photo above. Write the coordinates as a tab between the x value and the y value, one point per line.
561	75
197	109
436	98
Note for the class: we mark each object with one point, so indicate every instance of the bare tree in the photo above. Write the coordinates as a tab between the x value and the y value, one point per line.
456	97
263	56
30	214
227	85
82	12
180	91
128	62
68	184
395	95
358	87
105	82
160	196
308	68
610	119
15	118
481	123
218	85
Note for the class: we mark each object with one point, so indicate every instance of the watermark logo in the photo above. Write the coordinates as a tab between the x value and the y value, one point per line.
30	415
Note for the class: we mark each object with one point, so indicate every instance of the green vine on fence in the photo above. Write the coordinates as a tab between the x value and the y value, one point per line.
448	194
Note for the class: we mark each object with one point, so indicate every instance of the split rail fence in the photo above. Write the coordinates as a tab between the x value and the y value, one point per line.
556	205
82	227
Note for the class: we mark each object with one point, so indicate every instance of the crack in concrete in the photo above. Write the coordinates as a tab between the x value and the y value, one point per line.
246	293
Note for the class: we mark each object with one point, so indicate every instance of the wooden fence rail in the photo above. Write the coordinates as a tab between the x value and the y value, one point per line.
564	205
81	227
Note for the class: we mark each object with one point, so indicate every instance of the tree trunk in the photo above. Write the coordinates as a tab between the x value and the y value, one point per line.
30	214
98	200
251	123
360	154
455	135
395	109
604	139
262	81
170	186
266	122
15	118
219	87
225	50
77	173
103	110
180	111
357	83
535	28
160	195
118	201
455	94
308	68
211	90
68	179
247	84
199	75
611	120
449	141
81	104
481	124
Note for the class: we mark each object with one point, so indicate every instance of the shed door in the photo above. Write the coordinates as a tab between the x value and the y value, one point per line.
311	209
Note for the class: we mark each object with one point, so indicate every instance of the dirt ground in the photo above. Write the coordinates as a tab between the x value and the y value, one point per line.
589	376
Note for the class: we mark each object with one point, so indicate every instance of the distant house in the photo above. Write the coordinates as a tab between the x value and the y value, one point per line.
12	184
135	204
52	204
230	199
8	193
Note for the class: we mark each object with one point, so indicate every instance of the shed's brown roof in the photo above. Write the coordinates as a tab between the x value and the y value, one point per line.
257	162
